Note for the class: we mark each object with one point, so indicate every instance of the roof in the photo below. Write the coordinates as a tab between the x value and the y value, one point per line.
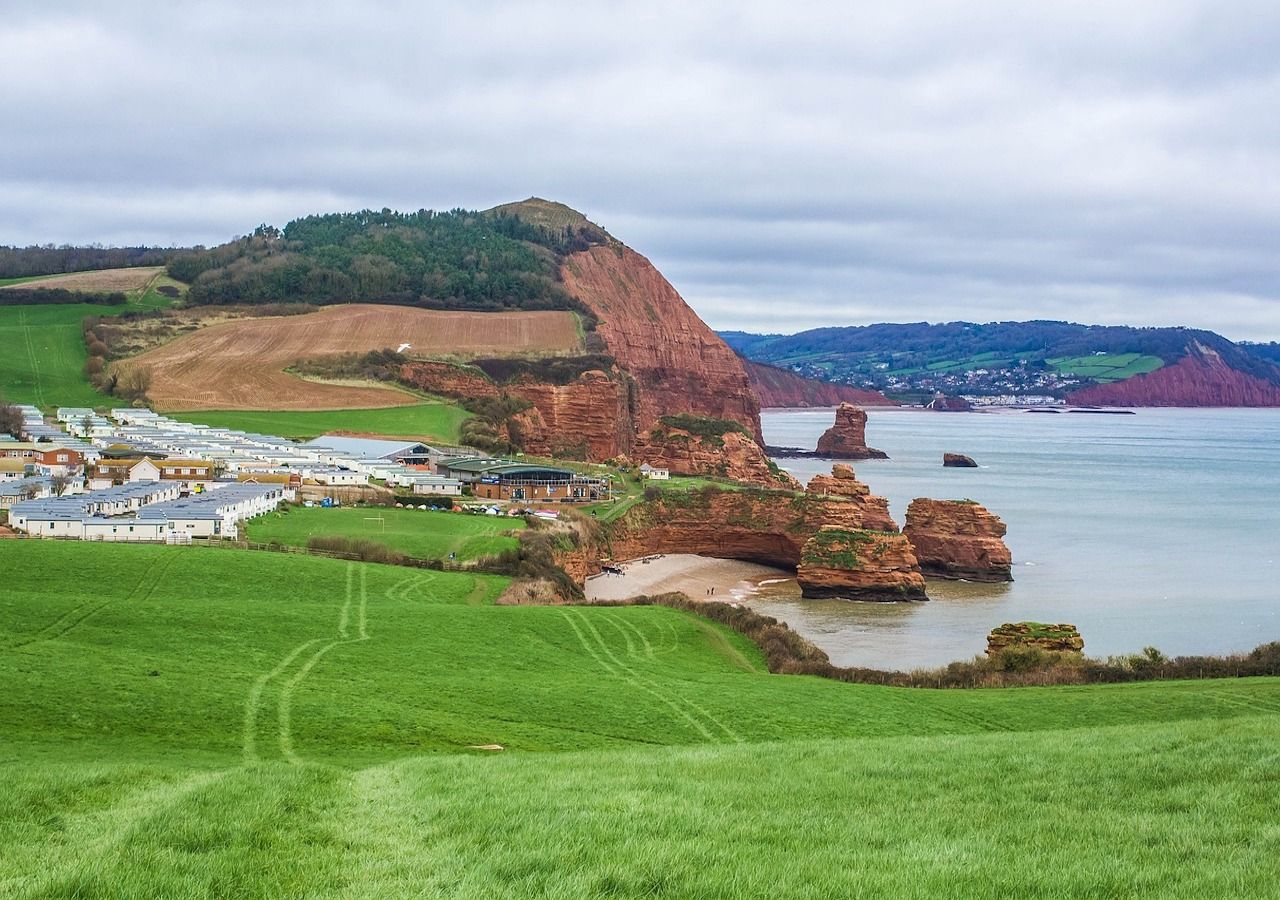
367	448
13	465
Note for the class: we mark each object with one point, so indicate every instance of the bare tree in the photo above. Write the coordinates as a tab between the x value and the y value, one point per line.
59	484
10	419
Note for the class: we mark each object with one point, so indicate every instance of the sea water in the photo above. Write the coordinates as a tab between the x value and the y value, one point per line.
1157	529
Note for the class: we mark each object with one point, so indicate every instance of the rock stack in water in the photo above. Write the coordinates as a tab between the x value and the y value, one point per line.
958	539
1054	638
847	438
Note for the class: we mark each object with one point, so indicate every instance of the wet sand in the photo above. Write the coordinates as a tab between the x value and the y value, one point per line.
695	576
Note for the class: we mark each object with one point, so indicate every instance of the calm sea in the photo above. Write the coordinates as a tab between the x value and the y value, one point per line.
1161	528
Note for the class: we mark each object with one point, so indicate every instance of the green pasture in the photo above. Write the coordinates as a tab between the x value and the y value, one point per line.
425	535
428	421
42	351
198	722
1107	367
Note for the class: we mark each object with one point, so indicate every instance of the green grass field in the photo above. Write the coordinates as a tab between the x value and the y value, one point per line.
430	421
42	350
1107	367
195	722
425	535
42	355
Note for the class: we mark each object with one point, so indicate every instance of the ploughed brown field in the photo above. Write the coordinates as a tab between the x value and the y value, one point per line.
239	364
130	279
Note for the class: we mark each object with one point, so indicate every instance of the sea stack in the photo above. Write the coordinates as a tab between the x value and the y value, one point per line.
847	438
958	461
958	539
1053	638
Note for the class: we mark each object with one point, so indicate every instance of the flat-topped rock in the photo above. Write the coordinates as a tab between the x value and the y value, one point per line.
847	438
958	461
1054	638
958	539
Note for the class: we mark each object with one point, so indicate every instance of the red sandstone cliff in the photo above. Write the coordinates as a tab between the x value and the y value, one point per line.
847	438
859	565
841	542
728	454
679	365
589	415
779	388
958	539
1202	378
842	482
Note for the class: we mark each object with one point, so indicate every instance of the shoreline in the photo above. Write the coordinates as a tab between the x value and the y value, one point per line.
695	576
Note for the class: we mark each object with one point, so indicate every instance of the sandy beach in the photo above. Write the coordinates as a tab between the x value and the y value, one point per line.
687	573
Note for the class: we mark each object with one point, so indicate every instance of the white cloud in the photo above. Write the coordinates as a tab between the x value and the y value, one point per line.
786	165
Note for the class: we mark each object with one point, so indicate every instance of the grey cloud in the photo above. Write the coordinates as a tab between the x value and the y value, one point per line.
785	165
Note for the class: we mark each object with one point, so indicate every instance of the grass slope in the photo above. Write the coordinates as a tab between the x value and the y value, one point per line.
1107	367
430	421
190	722
42	350
426	535
42	355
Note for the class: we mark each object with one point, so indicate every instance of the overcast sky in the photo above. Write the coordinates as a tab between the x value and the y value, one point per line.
786	165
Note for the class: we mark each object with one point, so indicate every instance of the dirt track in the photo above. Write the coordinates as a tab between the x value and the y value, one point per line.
133	279
239	364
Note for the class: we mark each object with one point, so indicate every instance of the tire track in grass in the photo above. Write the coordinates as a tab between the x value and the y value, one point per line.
254	702
69	620
284	710
729	732
620	671
98	836
37	387
619	623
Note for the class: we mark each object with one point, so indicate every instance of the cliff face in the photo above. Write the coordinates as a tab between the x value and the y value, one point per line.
730	455
859	565
842	482
779	388
852	558
1202	378
448	380
588	418
958	539
679	365
847	439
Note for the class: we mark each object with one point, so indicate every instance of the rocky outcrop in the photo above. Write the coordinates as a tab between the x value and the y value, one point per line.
859	565
1202	378
448	380
585	419
709	447
780	388
945	403
1053	638
958	539
842	482
679	365
777	528
847	438
958	461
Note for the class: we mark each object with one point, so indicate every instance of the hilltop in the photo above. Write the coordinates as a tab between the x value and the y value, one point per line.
1085	364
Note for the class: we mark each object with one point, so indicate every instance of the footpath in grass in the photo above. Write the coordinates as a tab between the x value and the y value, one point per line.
413	532
184	721
427	421
42	349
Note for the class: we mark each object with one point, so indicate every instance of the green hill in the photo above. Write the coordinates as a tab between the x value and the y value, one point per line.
191	722
996	358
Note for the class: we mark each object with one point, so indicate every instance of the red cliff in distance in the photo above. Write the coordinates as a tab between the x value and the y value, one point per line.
779	388
1202	378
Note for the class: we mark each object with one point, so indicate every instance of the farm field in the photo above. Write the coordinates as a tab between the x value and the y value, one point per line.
42	350
133	279
42	355
193	722
424	421
425	535
240	364
1107	367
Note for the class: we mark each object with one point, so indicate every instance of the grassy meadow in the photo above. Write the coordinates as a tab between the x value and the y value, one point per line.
425	535
42	349
192	722
427	421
